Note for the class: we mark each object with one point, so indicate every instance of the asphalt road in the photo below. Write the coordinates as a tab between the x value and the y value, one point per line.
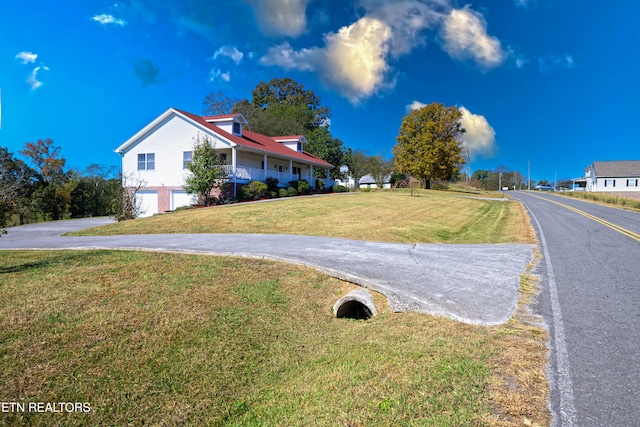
590	300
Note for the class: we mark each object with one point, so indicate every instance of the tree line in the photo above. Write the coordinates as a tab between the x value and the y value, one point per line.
37	187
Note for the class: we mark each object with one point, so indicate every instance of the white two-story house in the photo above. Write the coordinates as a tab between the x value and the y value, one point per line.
158	154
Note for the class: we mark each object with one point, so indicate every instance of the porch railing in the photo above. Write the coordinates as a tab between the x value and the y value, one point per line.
243	173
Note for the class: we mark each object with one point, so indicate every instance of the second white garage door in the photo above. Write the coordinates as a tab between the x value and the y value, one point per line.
148	202
181	198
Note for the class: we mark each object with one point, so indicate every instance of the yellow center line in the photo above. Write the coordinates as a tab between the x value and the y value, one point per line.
621	230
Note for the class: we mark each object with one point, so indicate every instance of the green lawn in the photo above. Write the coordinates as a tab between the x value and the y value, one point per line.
390	216
167	339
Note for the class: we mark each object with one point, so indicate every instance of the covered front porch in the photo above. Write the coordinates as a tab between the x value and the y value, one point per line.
245	166
243	174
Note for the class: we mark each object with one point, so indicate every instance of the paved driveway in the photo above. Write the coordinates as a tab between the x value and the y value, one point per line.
477	284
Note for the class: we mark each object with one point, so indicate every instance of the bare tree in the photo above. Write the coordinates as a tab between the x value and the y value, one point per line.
218	104
129	204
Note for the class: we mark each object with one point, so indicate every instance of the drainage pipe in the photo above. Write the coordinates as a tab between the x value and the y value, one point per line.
356	304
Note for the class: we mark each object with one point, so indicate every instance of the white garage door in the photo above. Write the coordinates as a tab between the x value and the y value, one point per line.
181	198
148	202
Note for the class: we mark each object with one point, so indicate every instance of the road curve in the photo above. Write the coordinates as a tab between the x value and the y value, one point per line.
590	300
476	284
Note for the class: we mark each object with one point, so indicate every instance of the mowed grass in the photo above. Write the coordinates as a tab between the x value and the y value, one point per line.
168	339
389	216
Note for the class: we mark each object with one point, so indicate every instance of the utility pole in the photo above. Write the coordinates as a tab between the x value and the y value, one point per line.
529	175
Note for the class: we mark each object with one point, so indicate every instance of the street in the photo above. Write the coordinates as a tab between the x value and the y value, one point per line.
590	301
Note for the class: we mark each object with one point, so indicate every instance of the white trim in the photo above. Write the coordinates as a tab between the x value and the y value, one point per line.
159	121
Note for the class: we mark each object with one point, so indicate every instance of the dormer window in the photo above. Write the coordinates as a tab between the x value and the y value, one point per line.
295	142
236	128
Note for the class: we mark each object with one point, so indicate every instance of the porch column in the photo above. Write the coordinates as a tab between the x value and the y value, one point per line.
233	168
291	168
264	169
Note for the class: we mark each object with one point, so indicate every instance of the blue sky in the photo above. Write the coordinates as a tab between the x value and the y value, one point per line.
554	83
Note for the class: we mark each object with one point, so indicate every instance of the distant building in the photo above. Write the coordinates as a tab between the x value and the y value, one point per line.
367	181
614	176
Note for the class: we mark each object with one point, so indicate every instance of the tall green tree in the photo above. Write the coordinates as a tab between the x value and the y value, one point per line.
322	144
286	92
53	191
206	170
95	191
429	143
15	186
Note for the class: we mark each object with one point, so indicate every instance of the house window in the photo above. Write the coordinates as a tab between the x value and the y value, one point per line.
299	146
236	128
146	161
632	183
609	182
187	158
223	158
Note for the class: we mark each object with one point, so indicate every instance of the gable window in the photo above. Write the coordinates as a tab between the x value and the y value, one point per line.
236	128
609	182
187	158
146	161
632	183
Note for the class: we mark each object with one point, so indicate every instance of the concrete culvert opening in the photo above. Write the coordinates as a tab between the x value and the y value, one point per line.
356	304
354	310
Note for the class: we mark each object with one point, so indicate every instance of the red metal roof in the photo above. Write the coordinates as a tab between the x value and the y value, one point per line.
257	141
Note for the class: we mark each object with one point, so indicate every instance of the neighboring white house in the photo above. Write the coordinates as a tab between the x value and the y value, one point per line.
367	181
159	153
613	176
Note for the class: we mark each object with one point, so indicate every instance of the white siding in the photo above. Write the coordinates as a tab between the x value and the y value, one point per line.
167	142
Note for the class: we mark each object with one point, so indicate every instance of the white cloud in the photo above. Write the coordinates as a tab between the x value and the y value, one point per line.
407	19
480	137
285	56
356	58
230	52
518	59
465	37
415	105
353	60
281	17
216	74
27	57
32	80
546	63
106	19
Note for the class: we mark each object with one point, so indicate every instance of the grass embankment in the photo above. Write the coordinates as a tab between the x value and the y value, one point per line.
167	339
605	199
433	216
